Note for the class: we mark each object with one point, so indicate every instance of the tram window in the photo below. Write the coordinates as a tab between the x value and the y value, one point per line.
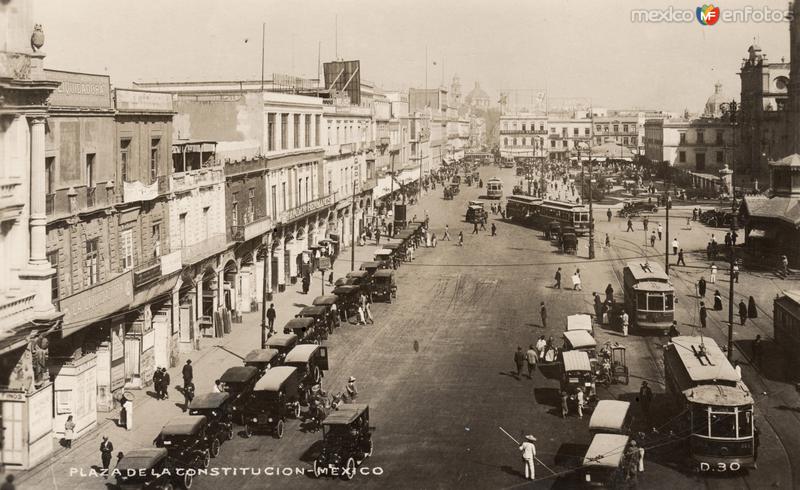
723	424
669	306
700	420
655	302
641	300
745	423
584	217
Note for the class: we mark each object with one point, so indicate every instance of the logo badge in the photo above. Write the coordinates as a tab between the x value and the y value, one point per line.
707	15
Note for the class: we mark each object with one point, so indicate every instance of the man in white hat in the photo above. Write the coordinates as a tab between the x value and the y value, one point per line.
528	454
350	389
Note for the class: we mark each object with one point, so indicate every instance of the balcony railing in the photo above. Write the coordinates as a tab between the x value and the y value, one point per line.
15	310
253	227
186	181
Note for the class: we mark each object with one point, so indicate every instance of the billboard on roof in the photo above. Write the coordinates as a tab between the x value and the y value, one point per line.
344	77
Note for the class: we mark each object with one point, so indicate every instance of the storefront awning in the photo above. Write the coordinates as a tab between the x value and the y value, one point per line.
154	291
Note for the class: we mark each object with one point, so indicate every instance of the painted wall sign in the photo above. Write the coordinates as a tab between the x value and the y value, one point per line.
96	302
137	100
80	90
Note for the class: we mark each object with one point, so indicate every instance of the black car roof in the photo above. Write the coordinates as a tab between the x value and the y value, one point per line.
238	374
346	414
325	299
209	401
313	310
184	425
261	355
141	459
299	323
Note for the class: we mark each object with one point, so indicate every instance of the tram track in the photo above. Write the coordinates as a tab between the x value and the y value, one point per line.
739	479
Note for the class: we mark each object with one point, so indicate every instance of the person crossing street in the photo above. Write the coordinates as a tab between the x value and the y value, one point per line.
528	455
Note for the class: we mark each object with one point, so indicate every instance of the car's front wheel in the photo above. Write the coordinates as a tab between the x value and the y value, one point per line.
206	461
229	433
279	429
370	449
350	469
215	448
188	478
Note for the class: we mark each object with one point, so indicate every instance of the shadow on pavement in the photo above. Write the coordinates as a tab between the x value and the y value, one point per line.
547	396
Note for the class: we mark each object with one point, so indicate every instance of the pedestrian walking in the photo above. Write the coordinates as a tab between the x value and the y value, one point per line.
645	223
703	315
519	360
69	432
483	223
164	383
632	461
784	266
675	246
653	239
531	357
736	273
378	236
608	241
701	287
752	311
645	398
188	372
742	312
158	377
558	279
368	313
610	294
581	400
757	348
680	258
446	235
460	238
609	214
475	228
360	311
564	404
576	281
8	484
494	230
630	225
127	407
625	323
717	301
598	307
543	314
106	449
713	273
271	314
188	395
660	230
528	455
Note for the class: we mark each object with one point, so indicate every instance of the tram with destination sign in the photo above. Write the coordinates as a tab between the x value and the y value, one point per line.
649	296
522	209
713	405
494	188
566	213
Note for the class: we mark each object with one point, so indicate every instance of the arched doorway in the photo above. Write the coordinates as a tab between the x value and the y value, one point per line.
248	283
230	288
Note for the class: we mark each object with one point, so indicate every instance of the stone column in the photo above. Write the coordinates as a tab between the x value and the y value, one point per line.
313	126
38	254
280	270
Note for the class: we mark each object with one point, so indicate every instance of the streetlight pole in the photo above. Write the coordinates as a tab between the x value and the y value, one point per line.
732	112
666	225
591	212
264	323
353	230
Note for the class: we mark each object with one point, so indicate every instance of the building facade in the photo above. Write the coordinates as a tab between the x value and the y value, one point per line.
524	135
567	133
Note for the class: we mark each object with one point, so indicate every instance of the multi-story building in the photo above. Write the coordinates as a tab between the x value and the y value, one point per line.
273	141
524	135
399	168
568	132
763	117
622	128
27	315
697	145
433	104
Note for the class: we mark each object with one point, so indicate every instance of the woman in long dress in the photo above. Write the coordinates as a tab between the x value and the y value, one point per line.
69	432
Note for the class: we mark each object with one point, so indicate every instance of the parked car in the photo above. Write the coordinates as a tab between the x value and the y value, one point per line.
311	361
384	285
184	437
346	443
146	468
282	343
636	208
262	359
238	382
215	408
307	329
274	398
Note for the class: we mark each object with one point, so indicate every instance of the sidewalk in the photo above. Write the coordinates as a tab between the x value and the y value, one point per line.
63	469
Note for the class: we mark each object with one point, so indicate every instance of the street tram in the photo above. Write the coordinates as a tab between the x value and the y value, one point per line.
566	213
522	209
649	296
714	406
494	188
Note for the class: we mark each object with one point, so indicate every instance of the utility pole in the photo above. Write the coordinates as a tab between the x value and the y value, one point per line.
666	225
591	212
732	112
263	40
353	230
264	323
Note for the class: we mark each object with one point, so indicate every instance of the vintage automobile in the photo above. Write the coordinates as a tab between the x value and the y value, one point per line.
636	208
455	188
383	257
577	372
370	267
447	194
188	447
361	279
606	461
147	468
716	217
262	359
569	243
214	407
310	360
275	397
238	382
348	299
384	285
346	441
553	230
308	331
611	417
580	321
323	322
581	340
475	212
282	343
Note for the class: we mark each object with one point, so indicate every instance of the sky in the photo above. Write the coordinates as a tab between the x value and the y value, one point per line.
571	48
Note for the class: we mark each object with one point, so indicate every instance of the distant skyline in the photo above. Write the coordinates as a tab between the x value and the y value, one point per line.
572	48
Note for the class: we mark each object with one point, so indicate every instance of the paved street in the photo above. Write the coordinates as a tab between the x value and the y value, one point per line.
437	369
